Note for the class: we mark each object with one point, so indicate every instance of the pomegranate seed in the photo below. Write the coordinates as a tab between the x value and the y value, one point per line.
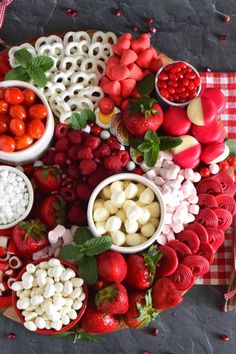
152	29
74	14
208	70
224	337
135	29
11	336
118	12
226	18
155	331
69	10
222	37
149	20
146	353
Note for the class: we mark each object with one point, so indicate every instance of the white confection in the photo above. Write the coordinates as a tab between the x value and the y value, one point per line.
147	196
106	193
118	198
105	134
130	166
100	214
133	212
118	237
117	186
121	215
40	322
141	188
30	325
154	209
148	230
151	174
113	224
133	239
214	168
30	268
194	209
145	216
110	207
127	204
154	222
131	226
131	191
98	203
101	227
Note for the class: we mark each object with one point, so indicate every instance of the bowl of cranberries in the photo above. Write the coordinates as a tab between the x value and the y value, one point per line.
26	122
177	83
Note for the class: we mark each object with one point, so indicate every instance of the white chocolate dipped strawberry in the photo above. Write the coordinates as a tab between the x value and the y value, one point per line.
187	154
201	111
217	96
214	153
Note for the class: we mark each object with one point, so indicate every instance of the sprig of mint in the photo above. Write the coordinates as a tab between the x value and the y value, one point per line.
80	335
231	143
84	251
30	68
80	119
152	145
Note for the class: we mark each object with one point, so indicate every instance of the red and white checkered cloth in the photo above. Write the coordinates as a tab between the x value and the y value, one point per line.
223	264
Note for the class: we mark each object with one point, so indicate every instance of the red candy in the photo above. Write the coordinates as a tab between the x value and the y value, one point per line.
201	111
216	96
176	121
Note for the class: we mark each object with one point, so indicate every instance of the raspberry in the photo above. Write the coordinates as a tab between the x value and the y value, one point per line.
113	143
102	151
85	154
61	130
113	163
73	152
84	191
28	169
76	215
87	167
60	158
138	171
48	158
68	194
73	170
62	145
98	176
124	157
75	136
92	142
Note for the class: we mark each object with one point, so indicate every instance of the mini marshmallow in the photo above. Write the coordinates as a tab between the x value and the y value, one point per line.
189	218
117	186
133	212
98	204
77	305
154	209
177	227
30	268
72	314
36	300
54	262
29	315
106	193
131	191
113	224
100	214
76	293
23	303
65	320
162	239
159	181
141	188
118	199
214	168
147	196
118	237
30	325
170	236
189	174
101	227
133	239
40	322
197	177
194	209
67	237
68	288
56	233
110	207
166	229
151	174
128	203
131	226
67	274
193	199
77	282
145	216
148	230
180	214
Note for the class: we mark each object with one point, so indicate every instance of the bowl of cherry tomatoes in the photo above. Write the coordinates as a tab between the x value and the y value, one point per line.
26	122
177	83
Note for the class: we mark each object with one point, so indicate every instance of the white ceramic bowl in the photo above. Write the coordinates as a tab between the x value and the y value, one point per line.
173	103
30	191
33	152
130	177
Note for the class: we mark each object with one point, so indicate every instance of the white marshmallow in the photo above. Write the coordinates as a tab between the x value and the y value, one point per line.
30	325
151	174
110	207
194	209
162	239
100	214
98	204
131	191
145	216
133	239
106	193
131	226
214	168
154	222
117	186
118	198
159	181
101	227
40	322
170	236
113	224
127	204
154	209
118	237
177	227
148	230
134	212
147	196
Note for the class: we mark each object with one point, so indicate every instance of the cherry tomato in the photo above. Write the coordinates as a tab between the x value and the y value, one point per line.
23	142
35	128
4	122
7	143
2	91
106	105
17	112
232	161
29	97
38	111
224	166
17	127
13	95
3	106
205	172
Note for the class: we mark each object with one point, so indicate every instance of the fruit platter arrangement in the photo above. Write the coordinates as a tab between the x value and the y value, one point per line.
116	182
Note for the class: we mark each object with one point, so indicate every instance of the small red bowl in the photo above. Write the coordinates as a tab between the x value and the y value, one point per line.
80	312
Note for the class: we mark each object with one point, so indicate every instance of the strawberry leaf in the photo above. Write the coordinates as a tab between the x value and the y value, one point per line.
169	142
146	85
97	245
147	313
88	269
82	234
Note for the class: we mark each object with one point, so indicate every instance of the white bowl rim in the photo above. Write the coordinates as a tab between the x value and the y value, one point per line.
23	84
183	104
30	191
139	179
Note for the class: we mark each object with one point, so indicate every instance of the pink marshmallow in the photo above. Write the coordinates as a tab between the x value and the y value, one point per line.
194	209
193	199
180	195
162	239
166	229
67	237
170	236
189	174
166	164
189	218
144	167
56	233
180	214
159	181
53	247
197	177
151	174
177	227
168	218
180	178
4	241
40	254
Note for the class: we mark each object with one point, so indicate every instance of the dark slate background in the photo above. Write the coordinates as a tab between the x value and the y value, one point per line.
186	29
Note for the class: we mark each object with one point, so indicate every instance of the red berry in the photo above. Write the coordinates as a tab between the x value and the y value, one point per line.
48	158
113	143
106	105
232	161
92	142
60	158
102	151
68	194
222	37
85	154
98	176
155	331
73	170
84	191
224	337
138	171
87	167
76	215
118	12
96	130
11	336
69	10
73	152
124	157
62	145
149	20
61	130
74	13
135	29
226	18
28	169
224	166
75	136
113	163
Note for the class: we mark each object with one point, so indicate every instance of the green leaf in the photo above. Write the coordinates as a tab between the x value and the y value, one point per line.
81	335
88	269
146	86
18	73
144	147
97	245
37	75
90	115
152	257
70	252
231	143
169	142
24	57
44	62
75	121
150	157
82	234
152	137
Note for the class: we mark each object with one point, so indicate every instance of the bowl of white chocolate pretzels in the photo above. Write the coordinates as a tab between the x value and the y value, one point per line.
129	208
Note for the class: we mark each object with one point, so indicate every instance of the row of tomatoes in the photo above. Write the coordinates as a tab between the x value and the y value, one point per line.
21	119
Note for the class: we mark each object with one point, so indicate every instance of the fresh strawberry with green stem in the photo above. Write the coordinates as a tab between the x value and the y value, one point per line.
165	294
112	299
112	267
47	179
52	211
97	322
141	311
29	237
141	269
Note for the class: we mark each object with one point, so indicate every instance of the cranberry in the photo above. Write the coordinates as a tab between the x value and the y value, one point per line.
224	337
224	166
226	18
162	84
149	20
118	12
61	130
152	29
222	37
155	332
68	194
172	83
11	336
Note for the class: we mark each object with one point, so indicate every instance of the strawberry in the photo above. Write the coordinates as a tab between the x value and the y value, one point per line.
165	294
76	215
112	299
143	115
29	237
112	267
141	311
52	211
141	269
47	179
97	322
127	87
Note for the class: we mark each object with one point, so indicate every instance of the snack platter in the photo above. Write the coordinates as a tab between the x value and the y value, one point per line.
121	187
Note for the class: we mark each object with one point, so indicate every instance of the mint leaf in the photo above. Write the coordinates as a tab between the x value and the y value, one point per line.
82	234
150	157
231	143
43	62
81	335
152	137
18	73
88	269
146	85
169	142
90	115
75	121
37	75
70	252
97	245
24	57
145	147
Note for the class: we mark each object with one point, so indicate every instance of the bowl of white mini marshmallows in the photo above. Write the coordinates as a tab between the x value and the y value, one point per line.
129	208
16	196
